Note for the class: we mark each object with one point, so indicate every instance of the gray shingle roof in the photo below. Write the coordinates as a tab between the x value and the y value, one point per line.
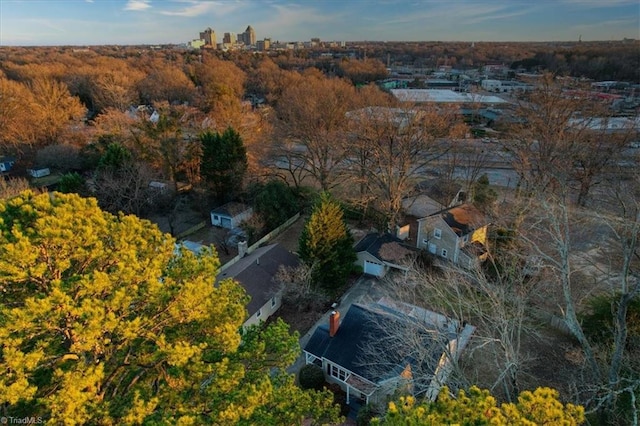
372	243
255	272
360	327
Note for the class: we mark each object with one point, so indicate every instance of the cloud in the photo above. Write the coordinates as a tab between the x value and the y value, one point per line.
612	23
455	13
294	17
597	4
198	8
137	5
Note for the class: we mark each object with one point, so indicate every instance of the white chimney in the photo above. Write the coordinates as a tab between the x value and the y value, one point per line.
242	248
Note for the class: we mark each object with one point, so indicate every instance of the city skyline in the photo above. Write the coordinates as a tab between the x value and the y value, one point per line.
128	22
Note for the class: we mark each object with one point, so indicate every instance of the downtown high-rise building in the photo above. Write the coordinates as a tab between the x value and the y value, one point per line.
229	38
209	37
248	37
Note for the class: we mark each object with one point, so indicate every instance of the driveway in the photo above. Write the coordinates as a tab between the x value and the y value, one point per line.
366	289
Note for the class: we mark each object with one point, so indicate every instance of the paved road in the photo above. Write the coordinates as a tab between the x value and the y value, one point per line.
365	290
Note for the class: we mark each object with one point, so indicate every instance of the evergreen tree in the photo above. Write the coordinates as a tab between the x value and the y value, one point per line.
102	322
483	195
326	245
71	183
223	163
276	203
115	157
478	407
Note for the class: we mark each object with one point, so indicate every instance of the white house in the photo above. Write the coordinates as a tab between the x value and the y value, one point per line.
230	215
256	272
364	352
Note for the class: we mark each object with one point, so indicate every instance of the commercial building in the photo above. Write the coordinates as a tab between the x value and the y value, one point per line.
248	37
209	37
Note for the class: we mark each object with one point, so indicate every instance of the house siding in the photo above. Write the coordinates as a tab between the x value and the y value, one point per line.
265	310
376	397
448	239
234	221
364	256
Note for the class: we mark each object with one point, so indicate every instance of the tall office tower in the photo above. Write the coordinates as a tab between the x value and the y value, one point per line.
209	37
263	45
249	36
229	38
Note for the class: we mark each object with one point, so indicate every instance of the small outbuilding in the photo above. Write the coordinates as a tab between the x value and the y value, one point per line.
6	163
39	172
230	215
378	253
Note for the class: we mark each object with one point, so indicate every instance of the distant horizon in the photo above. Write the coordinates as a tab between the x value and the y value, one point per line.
346	41
157	22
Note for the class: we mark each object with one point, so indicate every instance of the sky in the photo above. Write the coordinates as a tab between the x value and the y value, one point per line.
125	22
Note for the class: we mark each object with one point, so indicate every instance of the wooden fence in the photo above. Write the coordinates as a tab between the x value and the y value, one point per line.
263	240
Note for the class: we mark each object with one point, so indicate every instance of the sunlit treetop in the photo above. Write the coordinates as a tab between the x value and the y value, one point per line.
101	322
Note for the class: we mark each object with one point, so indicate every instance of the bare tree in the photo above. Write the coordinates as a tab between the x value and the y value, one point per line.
602	147
495	306
12	186
562	137
298	290
464	162
311	127
63	157
285	157
401	144
126	189
553	234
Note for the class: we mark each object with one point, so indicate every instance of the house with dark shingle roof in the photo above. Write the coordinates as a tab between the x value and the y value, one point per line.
368	354
378	253
256	272
458	234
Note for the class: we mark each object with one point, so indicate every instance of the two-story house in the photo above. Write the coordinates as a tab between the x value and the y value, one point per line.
458	234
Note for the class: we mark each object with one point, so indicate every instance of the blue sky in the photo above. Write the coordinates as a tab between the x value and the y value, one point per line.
92	22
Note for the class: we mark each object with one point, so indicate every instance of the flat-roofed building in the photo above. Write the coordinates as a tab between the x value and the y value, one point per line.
443	96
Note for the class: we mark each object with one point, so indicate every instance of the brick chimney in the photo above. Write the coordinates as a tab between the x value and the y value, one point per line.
334	323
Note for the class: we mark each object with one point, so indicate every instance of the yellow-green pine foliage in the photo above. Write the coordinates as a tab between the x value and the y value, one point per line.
479	407
327	245
102	322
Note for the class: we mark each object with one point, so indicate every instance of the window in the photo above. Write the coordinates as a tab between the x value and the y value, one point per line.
444	252
215	217
273	302
337	372
425	242
258	313
437	233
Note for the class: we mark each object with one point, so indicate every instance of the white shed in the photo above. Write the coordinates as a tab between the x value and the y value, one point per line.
41	172
230	215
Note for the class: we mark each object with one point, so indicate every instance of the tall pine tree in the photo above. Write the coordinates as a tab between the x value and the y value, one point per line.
327	245
103	323
223	163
